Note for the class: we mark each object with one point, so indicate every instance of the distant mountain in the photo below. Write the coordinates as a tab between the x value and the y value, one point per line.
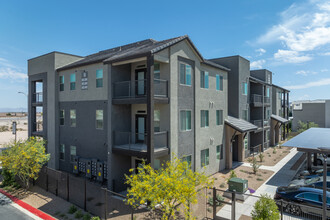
13	110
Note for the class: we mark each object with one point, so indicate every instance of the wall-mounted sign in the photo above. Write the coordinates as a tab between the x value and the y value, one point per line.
84	80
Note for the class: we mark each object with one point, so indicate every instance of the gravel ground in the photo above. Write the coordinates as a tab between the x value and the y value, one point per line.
7	136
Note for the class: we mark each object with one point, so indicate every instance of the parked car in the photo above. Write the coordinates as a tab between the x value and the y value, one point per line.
311	174
297	200
316	182
319	160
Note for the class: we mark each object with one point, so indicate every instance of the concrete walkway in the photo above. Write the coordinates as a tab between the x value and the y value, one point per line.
281	177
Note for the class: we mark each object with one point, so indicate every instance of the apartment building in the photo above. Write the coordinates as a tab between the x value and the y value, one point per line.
317	111
254	117
105	112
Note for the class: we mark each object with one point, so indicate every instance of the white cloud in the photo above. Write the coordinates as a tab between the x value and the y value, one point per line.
322	82
324	70
304	97
261	51
303	27
257	64
10	71
290	56
305	72
326	54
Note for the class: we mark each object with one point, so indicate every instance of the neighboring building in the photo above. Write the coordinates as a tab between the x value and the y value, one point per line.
96	108
317	111
104	113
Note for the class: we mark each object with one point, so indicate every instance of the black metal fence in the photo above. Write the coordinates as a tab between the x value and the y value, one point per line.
227	205
87	195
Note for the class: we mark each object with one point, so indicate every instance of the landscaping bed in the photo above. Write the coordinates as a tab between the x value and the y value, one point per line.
271	156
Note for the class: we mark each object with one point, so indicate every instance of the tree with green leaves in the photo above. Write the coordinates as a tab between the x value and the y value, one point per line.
24	159
265	208
303	126
168	189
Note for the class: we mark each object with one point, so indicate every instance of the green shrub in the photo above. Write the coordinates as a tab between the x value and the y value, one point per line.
265	208
4	128
86	217
274	150
8	178
232	175
222	185
219	201
255	166
95	218
72	209
78	214
261	157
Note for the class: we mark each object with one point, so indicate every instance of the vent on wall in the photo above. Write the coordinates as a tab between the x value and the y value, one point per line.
140	111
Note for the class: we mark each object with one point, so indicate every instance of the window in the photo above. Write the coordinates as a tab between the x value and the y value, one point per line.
99	78
99	119
73	122
61	117
157	73
185	74
219	83
73	81
73	153
267	92
246	143
204	118
204	80
205	157
221	152
61	83
62	151
187	159
245	88
156	164
268	78
156	120
267	113
219	117
185	120
245	115
218	152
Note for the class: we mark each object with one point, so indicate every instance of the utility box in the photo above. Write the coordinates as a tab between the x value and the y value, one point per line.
99	169
238	184
75	165
94	167
89	169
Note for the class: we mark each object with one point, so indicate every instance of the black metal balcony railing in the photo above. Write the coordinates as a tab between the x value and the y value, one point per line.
256	98
266	100
37	126
137	88
284	103
257	123
137	141
37	97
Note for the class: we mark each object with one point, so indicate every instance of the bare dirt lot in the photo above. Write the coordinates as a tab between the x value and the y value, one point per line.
6	135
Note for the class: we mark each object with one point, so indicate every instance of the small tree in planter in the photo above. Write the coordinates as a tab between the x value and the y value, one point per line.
255	166
265	208
261	157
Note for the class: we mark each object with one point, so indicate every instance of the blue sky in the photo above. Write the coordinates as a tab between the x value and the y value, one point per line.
290	38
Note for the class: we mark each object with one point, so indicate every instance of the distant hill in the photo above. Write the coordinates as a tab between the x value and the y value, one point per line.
13	110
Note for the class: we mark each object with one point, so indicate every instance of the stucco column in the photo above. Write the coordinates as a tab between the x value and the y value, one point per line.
228	148
272	132
241	150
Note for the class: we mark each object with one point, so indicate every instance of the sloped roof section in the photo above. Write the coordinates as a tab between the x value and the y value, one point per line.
240	124
279	119
136	50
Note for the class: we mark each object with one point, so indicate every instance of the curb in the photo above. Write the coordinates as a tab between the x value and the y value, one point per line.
28	207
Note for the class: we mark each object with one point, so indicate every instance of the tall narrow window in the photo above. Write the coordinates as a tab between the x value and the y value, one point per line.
185	74
204	79
221	152
267	92
187	159
205	157
204	118
219	117
99	119
218	152
185	120
245	115
73	153
246	143
73	81
73	122
157	73
156	120
61	83
244	88
219	82
62	116
62	151
99	78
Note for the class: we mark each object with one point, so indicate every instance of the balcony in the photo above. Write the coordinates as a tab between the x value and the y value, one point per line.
135	92
266	101
285	103
37	128
257	123
255	149
256	100
134	144
266	123
37	98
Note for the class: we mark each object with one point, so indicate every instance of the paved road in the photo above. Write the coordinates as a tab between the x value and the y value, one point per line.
11	211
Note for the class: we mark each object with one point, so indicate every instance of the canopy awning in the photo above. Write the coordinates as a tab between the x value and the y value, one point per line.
240	125
313	140
279	119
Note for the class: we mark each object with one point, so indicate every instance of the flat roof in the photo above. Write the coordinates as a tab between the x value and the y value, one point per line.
313	139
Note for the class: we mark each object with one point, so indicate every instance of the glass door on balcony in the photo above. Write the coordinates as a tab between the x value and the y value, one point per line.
140	86
140	124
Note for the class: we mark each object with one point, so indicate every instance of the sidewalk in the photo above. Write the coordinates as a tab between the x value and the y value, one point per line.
282	176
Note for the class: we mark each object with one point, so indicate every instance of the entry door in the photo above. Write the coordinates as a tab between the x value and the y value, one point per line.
140	123
140	85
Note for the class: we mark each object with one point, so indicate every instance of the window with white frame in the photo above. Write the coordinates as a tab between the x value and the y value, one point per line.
99	119
245	115
204	79
205	157
99	78
219	117
185	74
185	120
244	88
73	81
73	153
219	82
61	83
73	122
204	118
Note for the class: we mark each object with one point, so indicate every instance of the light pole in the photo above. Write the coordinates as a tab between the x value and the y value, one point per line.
27	106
